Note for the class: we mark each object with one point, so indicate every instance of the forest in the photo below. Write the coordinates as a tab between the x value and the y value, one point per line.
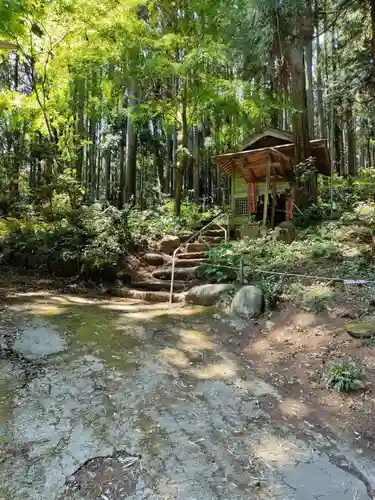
170	329
123	105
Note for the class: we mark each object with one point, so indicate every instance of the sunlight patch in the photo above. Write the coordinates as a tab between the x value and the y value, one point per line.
174	357
216	371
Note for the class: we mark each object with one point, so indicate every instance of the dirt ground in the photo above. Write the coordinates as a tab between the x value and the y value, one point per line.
117	399
292	349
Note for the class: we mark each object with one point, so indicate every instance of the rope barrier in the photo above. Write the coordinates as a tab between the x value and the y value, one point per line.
295	275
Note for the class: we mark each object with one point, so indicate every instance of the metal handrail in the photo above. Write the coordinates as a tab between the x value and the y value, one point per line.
196	235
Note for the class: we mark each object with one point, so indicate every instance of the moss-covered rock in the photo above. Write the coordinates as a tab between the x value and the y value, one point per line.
360	330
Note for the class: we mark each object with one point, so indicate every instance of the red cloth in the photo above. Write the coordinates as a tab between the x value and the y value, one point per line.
290	208
252	198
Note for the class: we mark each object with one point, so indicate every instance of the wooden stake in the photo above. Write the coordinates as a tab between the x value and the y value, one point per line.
266	196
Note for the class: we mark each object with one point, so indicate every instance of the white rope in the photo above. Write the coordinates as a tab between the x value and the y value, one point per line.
298	275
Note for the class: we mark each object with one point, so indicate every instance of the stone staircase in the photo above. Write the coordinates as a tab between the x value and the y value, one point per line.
189	270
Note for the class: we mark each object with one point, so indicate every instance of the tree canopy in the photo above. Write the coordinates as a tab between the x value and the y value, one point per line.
124	101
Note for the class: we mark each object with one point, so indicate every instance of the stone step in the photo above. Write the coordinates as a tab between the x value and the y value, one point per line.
213	232
188	262
155	258
163	285
196	247
180	273
146	295
190	255
212	240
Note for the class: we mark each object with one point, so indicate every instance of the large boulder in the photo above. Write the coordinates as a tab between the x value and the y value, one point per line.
248	302
207	295
169	244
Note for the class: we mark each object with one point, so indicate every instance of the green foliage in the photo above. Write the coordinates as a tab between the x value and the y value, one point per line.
272	288
371	342
347	194
222	263
356	267
108	234
344	377
97	238
149	225
324	249
251	221
305	171
315	297
313	214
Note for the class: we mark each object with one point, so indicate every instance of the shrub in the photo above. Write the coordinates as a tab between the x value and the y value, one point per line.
358	267
315	297
344	377
272	288
108	233
313	214
326	249
222	263
98	238
149	225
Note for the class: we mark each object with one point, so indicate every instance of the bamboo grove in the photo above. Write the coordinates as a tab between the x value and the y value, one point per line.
127	101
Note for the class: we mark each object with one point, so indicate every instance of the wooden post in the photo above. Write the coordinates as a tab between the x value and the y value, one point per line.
241	276
265	208
274	198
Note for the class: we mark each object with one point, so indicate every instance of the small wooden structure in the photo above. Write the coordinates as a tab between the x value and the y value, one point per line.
264	166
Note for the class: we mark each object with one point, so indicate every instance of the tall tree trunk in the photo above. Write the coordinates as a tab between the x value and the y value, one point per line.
196	163
308	37
361	141
300	117
332	107
13	144
122	167
319	80
182	164
107	175
168	173
373	31
351	140
159	152
92	157
80	127
301	122
131	147
310	92
174	158
338	147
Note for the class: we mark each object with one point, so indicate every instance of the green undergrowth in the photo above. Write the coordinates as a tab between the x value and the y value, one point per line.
151	225
316	297
302	269
94	240
329	250
344	377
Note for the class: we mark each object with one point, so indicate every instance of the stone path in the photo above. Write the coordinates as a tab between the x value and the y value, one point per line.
136	401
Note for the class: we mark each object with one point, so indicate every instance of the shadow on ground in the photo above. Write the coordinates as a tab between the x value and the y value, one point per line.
163	384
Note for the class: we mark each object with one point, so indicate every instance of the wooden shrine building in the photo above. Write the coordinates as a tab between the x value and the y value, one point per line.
262	171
